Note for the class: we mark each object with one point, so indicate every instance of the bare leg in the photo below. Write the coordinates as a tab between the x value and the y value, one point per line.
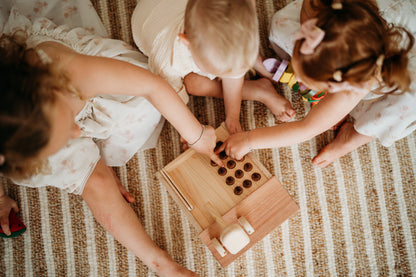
347	140
261	90
260	69
110	209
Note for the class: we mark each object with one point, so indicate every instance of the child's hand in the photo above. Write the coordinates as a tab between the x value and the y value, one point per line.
207	144
233	126
6	205
235	146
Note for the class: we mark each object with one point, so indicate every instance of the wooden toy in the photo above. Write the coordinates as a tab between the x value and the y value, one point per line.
232	207
283	73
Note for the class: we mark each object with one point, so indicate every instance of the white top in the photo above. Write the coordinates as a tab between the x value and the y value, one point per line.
155	27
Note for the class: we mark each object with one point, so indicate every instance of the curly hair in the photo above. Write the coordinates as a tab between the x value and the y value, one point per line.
355	37
28	91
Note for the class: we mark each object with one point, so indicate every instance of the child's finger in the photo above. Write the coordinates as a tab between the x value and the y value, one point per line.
220	148
129	198
15	207
216	159
4	222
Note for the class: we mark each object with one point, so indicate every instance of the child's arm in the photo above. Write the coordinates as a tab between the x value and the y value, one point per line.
93	76
232	92
323	116
6	205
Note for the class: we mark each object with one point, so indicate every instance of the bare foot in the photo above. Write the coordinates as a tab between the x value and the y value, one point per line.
166	267
278	105
346	141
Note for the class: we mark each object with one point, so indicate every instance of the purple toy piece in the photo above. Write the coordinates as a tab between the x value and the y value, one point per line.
280	70
271	64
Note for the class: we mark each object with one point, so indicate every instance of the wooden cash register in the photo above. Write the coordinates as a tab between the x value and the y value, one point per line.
242	193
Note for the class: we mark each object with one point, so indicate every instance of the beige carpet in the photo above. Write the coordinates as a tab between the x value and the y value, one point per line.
357	217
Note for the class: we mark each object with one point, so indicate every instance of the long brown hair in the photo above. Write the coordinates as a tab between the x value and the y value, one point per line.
27	93
355	37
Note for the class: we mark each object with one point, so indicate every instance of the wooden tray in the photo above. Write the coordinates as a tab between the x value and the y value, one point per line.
193	181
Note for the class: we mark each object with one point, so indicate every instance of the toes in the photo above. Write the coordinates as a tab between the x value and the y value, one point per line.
319	162
286	115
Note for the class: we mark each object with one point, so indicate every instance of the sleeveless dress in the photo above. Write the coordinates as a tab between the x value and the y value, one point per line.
386	117
155	27
113	128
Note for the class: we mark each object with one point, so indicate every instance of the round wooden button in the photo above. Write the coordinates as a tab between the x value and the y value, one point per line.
238	190
247	183
222	171
255	176
230	180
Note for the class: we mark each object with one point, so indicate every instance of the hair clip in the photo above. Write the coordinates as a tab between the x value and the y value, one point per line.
2	159
336	5
312	34
337	76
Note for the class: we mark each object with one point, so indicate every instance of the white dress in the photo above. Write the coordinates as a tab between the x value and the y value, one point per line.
155	27
112	127
388	117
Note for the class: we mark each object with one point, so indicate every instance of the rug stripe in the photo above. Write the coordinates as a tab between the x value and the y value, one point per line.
69	241
288	258
304	211
111	254
320	188
148	221
403	210
8	258
412	149
290	268
103	12
24	211
38	265
345	218
382	204
124	20
364	214
90	242
46	234
270	267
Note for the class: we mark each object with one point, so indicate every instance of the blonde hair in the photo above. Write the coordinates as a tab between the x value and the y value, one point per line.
355	37
223	33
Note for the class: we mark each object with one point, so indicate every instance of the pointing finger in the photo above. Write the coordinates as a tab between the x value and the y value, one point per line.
216	160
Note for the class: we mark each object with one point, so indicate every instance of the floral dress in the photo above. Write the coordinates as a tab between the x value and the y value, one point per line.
386	117
113	128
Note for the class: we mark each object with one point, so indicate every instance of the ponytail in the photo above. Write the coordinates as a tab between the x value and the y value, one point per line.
394	71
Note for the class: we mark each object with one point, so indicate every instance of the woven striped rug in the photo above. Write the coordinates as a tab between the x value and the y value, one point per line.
357	216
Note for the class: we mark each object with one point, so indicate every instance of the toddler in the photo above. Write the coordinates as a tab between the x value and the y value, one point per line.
366	65
205	47
64	121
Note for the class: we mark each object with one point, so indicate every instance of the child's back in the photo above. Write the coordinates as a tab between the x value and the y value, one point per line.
205	48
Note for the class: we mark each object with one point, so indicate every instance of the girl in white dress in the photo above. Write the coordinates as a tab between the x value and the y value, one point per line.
366	64
65	120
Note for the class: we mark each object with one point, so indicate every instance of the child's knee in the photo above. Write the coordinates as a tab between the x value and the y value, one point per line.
100	182
200	85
